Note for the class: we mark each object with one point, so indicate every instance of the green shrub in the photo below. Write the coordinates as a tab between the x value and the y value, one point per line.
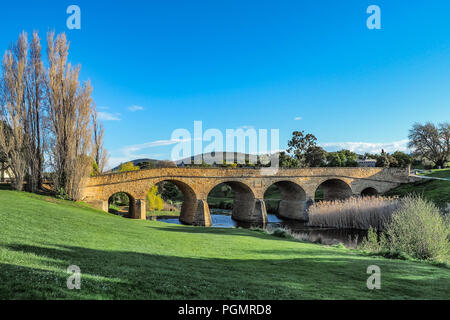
418	229
281	233
371	243
62	194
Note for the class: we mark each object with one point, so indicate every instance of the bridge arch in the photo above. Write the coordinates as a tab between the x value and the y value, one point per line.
122	199
370	191
189	204
333	189
246	207
293	200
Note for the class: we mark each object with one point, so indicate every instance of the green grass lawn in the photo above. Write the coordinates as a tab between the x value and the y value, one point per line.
437	191
130	259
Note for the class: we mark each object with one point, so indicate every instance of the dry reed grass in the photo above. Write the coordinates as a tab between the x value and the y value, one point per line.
354	213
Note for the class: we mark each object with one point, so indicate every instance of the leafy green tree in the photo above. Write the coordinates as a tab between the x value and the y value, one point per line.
334	159
349	158
286	161
342	158
403	160
169	191
315	157
300	144
383	160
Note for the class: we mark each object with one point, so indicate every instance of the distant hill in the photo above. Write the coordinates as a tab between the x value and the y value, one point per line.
216	158
208	158
141	163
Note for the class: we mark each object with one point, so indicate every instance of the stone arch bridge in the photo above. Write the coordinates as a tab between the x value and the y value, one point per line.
297	187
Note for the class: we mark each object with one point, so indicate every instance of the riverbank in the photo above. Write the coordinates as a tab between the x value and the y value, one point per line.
130	259
437	191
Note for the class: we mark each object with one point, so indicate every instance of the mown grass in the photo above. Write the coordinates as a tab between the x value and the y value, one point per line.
129	259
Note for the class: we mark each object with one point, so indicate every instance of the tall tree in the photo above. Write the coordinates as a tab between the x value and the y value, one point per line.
300	144
35	98
100	154
13	113
70	111
431	142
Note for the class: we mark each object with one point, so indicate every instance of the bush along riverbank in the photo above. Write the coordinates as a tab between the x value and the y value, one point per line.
407	228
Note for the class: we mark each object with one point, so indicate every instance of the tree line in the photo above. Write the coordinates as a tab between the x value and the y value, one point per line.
428	142
48	122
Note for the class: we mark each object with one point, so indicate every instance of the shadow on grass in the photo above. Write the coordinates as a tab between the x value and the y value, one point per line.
134	275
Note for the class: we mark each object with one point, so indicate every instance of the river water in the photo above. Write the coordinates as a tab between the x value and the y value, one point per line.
349	237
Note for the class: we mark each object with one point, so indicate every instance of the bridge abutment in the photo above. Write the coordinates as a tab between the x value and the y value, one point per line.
139	210
293	210
253	211
202	216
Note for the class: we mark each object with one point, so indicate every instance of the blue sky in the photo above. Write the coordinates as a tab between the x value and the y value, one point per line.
290	65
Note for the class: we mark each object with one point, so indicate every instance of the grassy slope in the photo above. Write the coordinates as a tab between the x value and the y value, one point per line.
439	173
129	259
435	190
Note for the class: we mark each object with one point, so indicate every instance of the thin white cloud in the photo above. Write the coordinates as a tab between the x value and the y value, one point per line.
159	143
106	116
363	147
298	118
135	108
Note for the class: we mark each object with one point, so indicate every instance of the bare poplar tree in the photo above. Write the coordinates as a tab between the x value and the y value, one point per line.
70	110
35	112
13	113
100	154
